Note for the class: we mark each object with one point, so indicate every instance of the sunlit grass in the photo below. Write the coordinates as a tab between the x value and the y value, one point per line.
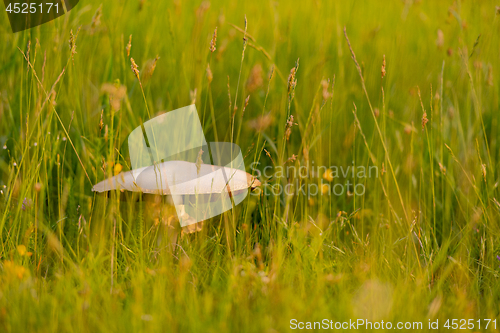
421	243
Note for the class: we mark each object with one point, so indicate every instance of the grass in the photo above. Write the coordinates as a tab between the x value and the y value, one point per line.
421	243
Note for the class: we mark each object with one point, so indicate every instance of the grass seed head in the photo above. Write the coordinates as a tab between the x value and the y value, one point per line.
271	73
440	39
213	42
483	171
289	124
305	152
442	168
116	94
255	80
291	159
96	19
135	68
408	129
437	96
52	98
383	67
245	106
202	9
72	42
326	84
152	67
292	81
261	123
425	120
101	122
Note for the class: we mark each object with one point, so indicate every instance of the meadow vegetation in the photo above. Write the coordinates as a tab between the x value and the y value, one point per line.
410	87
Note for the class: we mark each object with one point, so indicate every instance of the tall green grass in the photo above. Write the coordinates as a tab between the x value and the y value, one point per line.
421	243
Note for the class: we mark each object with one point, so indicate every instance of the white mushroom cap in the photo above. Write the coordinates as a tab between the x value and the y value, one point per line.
180	178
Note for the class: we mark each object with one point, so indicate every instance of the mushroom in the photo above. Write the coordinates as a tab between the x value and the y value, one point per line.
206	189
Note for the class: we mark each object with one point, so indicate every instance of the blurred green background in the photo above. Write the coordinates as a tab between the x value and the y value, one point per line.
421	243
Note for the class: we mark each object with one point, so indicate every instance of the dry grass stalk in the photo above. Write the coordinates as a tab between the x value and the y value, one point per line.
269	155
245	42
229	94
37	47
28	54
44	63
363	85
210	76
